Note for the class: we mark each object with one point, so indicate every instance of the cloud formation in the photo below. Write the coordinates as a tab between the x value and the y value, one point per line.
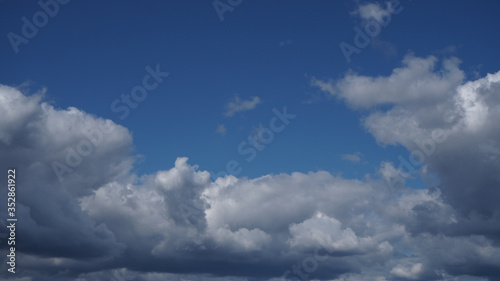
354	157
375	11
236	104
221	129
416	83
446	123
104	221
371	11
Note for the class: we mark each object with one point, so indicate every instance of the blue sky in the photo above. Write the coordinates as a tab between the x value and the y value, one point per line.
91	53
263	56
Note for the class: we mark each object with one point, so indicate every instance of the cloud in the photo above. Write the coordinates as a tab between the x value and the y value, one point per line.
370	11
102	220
221	129
375	11
33	135
355	157
387	48
236	105
325	86
441	119
409	272
286	42
446	124
328	231
417	82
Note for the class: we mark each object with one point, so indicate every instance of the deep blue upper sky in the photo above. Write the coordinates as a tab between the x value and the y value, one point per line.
91	52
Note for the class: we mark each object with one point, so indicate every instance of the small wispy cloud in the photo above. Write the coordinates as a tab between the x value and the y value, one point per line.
286	42
221	129
325	86
254	134
238	105
313	98
387	48
355	157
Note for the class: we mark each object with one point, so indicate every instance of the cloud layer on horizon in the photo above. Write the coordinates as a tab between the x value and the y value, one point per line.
95	218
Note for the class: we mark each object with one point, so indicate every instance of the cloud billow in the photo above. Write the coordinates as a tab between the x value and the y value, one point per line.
103	220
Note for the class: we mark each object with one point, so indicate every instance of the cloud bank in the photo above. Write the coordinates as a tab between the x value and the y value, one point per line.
103	222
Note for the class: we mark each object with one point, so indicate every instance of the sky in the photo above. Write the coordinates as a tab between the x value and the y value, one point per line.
251	140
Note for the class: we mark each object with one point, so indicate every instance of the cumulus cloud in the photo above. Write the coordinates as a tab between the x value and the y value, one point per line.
415	83
409	272
33	136
236	104
446	124
325	230
101	220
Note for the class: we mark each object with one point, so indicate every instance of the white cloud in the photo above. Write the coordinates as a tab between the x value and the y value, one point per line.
321	229
243	239
375	11
416	82
325	86
371	11
409	272
392	175
441	118
102	217
236	104
15	108
354	157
